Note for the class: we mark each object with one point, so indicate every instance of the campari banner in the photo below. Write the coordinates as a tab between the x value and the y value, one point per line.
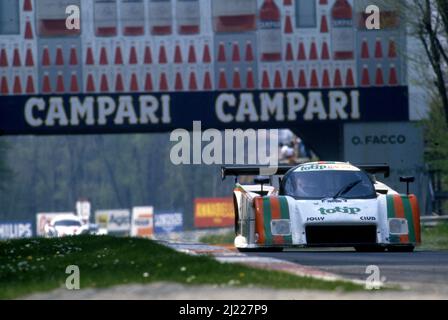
161	64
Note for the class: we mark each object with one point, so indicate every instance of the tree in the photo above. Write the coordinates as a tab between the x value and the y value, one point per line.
428	21
112	171
437	138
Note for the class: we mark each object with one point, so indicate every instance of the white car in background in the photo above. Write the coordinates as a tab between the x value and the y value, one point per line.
65	225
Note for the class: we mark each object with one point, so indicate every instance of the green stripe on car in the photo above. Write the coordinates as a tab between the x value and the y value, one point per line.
284	211
391	214
267	219
408	215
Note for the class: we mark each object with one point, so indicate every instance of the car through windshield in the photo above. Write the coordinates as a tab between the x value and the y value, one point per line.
67	223
328	184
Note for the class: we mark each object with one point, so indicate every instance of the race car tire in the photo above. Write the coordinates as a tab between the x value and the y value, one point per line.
407	248
370	249
259	249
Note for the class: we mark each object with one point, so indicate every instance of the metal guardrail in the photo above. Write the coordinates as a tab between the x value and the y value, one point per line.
433	220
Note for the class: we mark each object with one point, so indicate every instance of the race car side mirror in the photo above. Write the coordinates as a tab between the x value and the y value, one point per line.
407	180
261	181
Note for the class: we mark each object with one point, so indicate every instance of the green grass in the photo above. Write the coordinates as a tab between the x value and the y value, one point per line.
226	238
38	265
435	238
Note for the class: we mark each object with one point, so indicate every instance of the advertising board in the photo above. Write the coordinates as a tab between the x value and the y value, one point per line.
213	212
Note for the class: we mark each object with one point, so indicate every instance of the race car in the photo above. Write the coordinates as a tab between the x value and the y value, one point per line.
65	225
323	204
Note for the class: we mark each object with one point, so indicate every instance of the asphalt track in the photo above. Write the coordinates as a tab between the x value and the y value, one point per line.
428	269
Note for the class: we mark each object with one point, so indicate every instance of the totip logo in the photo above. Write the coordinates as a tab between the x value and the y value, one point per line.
347	210
313	167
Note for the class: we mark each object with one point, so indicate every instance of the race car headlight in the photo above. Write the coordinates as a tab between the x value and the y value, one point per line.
240	242
398	226
281	227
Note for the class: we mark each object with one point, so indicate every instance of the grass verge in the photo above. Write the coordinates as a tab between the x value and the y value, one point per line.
435	238
37	265
226	238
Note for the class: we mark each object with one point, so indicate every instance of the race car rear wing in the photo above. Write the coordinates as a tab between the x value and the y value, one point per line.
236	171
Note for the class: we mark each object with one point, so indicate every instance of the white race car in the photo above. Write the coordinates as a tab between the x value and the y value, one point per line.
323	204
65	225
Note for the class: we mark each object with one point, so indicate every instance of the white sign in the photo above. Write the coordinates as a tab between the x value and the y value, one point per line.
83	210
142	222
43	218
116	221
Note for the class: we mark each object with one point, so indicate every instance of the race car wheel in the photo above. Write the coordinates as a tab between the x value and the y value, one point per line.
370	249
408	248
260	249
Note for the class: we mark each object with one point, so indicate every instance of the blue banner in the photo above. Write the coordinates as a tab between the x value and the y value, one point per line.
163	112
168	222
16	230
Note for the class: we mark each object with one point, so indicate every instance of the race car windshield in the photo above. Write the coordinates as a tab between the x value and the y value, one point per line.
67	223
328	184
